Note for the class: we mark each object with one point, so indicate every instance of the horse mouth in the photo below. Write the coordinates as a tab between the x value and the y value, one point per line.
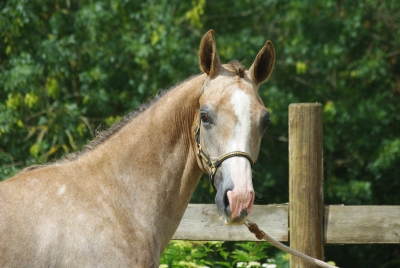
226	212
226	217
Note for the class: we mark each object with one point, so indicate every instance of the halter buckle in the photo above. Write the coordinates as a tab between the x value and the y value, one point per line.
213	169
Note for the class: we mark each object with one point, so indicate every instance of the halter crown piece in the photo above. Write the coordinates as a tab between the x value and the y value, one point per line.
213	166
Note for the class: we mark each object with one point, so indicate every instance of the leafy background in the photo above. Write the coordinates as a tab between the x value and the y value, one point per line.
71	67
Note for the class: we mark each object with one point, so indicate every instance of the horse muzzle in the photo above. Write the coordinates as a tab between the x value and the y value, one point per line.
233	206
235	194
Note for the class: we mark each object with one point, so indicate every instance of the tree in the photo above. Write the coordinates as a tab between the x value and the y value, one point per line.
68	66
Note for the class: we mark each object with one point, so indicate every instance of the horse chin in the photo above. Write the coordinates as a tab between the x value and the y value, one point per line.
239	220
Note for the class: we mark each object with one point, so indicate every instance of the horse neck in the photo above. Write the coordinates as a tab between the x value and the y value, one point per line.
153	159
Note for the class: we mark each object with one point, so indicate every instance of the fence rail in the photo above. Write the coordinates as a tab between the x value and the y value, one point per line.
342	224
201	222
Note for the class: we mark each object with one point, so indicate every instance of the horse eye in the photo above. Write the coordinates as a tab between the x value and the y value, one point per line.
204	118
265	120
267	124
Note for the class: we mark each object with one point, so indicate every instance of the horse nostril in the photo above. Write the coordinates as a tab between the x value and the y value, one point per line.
250	205
226	200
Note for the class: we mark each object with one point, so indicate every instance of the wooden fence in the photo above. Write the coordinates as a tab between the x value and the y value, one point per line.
312	224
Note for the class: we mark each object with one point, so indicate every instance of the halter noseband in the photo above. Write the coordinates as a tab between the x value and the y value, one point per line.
213	166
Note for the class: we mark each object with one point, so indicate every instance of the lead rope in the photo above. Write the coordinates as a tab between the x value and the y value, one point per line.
261	235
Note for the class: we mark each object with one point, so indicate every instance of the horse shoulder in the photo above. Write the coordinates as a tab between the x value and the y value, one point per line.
57	216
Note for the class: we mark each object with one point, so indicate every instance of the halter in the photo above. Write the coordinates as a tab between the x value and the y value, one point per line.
213	166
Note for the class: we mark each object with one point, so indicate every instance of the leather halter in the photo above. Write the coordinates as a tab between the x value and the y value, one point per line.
213	166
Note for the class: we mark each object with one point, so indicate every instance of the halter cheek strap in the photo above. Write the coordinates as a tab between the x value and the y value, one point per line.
213	166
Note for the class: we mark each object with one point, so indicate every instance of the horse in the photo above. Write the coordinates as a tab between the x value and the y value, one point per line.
118	201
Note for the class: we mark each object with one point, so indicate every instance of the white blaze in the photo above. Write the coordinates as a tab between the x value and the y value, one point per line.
242	195
241	106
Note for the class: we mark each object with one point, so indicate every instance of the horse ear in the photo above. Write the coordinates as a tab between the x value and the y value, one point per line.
208	56
263	64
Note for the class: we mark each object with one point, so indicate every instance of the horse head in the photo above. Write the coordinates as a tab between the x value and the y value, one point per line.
231	122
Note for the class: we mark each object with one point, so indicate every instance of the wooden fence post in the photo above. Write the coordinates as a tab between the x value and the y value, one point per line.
306	203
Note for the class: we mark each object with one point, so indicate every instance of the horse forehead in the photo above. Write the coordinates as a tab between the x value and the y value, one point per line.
229	80
224	90
241	103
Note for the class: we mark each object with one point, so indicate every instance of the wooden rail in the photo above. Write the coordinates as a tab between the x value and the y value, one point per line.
342	224
201	222
362	225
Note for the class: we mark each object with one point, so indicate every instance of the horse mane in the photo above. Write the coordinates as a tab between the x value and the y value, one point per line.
102	136
237	67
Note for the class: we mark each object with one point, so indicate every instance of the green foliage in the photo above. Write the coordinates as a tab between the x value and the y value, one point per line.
198	254
68	66
249	252
188	254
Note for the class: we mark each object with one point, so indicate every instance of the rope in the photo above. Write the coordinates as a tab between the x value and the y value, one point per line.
261	235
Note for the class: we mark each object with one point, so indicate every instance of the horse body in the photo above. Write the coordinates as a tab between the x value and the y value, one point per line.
119	202
77	207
